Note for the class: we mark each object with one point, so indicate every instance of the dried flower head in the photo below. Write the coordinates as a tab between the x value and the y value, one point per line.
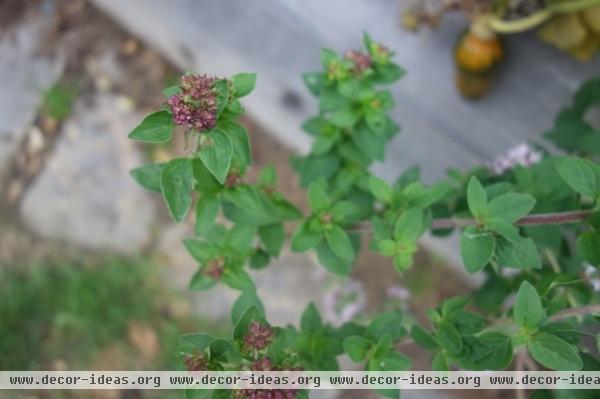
196	361
195	107
263	364
214	268
258	336
360	60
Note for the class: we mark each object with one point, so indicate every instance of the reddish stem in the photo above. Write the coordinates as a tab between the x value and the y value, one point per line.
536	219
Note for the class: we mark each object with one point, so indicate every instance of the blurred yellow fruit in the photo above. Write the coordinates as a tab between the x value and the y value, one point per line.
564	31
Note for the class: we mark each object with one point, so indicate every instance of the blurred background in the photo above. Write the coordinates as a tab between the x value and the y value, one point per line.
92	271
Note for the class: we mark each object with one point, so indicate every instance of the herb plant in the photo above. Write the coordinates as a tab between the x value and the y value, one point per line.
531	226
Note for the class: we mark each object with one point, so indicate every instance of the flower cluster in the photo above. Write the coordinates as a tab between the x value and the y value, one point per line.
523	155
195	107
265	364
258	336
214	268
196	361
361	61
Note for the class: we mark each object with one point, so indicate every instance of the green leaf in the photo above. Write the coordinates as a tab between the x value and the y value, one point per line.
504	228
501	354
394	361
243	84
246	300
387	247
522	254
345	212
328	56
409	225
221	87
197	340
217	154
239	238
448	338
311	319
247	205
318	198
476	248
467	322
333	263
237	279
422	337
176	183
202	281
272	237
251	314
372	145
440	362
528	311
205	182
313	167
343	117
452	305
477	198
202	251
155	128
268	176
148	176
207	209
304	238
171	91
554	353
588	246
579	174
339	242
240	143
380	189
222	350
511	206
389	323
357	347
314	81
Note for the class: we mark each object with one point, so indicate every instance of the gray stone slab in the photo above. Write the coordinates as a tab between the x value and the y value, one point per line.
84	194
24	76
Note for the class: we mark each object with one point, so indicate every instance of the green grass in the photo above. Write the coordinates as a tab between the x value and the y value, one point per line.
73	311
57	101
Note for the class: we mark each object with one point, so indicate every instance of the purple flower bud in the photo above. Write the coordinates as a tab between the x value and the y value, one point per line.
195	361
361	61
258	337
195	107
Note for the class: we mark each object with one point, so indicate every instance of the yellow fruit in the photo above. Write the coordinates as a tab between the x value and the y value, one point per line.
591	17
564	31
476	56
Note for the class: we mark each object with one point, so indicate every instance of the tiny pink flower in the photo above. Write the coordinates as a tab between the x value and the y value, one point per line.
195	107
523	155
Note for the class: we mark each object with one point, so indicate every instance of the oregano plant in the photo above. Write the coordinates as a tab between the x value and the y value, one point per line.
529	223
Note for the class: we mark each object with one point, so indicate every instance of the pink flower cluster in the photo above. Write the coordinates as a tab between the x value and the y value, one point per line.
196	361
523	155
361	61
195	107
265	364
258	336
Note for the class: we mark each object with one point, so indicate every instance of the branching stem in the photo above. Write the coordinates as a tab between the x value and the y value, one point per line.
530	220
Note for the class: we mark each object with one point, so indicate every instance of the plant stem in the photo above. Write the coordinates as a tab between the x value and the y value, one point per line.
529	220
579	311
499	25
